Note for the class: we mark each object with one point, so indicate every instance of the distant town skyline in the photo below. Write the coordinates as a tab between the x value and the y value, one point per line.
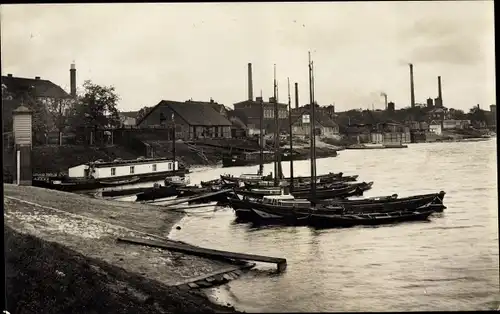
179	51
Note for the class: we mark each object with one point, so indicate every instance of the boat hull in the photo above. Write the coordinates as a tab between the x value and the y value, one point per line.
92	184
335	221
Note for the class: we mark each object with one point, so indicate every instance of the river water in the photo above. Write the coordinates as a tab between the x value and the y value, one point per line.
450	263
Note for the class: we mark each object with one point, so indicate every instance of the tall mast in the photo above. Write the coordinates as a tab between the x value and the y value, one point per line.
312	129
291	135
173	139
276	142
261	136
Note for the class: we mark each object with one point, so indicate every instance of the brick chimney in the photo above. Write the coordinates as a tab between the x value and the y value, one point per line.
440	94
412	87
296	95
250	82
72	80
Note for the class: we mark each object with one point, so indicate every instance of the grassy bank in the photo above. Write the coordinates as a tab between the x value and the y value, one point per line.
47	277
63	257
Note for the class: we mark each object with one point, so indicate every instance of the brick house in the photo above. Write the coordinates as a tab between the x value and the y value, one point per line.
252	109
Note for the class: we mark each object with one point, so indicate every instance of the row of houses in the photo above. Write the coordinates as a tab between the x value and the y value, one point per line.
197	119
210	119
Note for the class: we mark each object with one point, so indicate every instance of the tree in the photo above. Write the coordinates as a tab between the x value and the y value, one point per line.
143	112
59	111
96	108
477	115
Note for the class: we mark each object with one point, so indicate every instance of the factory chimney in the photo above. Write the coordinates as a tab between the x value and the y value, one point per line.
412	87
72	80
250	82
440	95
296	95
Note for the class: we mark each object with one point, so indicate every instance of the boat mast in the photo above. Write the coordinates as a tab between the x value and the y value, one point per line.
261	136
312	130
173	139
276	142
290	132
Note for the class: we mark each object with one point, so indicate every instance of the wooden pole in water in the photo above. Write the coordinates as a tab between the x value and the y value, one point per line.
290	132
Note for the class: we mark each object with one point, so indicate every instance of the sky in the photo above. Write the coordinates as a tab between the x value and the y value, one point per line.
181	51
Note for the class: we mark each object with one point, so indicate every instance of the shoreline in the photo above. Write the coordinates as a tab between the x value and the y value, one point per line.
92	238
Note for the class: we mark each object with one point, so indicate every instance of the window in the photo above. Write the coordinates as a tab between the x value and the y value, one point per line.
113	171
169	166
154	167
132	168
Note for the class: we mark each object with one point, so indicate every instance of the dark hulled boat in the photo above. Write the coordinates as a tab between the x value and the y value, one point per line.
328	220
385	204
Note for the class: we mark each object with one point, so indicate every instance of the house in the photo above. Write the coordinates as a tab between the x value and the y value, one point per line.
325	126
17	90
192	119
436	127
437	114
128	118
252	111
455	124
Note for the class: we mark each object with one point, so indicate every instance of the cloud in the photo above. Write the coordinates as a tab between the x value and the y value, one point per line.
448	40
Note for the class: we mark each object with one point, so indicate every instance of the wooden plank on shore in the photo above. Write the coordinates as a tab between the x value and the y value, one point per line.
216	275
197	197
205	252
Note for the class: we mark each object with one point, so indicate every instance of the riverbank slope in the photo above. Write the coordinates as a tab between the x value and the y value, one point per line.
62	257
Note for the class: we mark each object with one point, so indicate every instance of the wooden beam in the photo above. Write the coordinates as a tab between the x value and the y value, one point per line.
196	197
205	252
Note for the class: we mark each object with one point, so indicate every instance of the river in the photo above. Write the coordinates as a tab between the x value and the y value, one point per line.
448	264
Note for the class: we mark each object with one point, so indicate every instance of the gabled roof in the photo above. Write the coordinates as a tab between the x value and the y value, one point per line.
40	88
193	112
321	118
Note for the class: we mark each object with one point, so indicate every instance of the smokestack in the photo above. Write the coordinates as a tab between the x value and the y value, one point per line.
440	95
250	82
296	95
412	87
72	80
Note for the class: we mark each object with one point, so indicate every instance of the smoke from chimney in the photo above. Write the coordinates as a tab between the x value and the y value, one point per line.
296	95
250	82
412	87
440	94
72	80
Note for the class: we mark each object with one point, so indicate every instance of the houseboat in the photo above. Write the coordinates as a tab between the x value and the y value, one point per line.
101	174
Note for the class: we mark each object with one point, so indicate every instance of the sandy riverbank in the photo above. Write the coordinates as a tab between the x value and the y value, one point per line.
62	255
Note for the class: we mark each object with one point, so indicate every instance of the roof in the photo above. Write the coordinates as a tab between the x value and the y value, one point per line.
253	102
22	109
321	118
193	112
42	88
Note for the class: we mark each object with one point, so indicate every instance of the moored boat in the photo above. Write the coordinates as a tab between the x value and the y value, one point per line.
385	204
329	220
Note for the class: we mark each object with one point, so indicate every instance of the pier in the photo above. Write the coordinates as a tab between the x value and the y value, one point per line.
205	252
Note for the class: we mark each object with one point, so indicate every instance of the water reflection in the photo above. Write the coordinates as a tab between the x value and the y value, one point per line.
449	263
